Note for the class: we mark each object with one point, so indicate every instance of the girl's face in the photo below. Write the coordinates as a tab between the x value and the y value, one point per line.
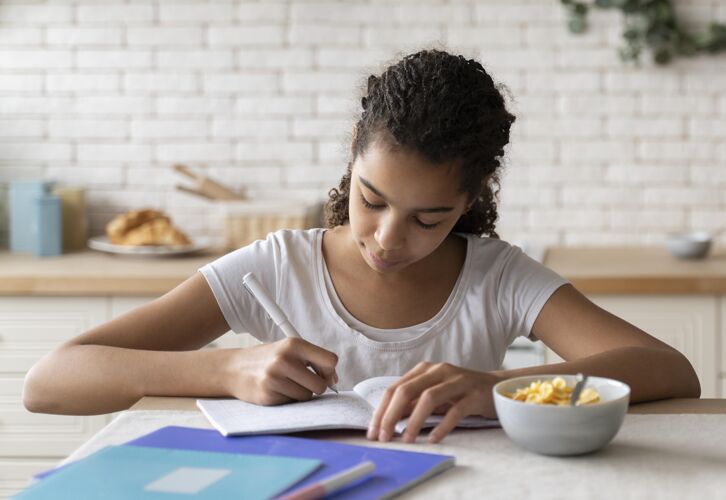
401	206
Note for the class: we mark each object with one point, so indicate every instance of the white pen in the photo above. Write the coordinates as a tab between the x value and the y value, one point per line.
331	484
251	283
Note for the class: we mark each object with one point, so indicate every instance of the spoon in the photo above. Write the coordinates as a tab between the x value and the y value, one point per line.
579	386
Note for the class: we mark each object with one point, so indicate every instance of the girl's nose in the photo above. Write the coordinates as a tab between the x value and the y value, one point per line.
391	233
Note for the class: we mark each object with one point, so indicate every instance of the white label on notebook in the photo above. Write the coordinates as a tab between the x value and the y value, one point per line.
189	480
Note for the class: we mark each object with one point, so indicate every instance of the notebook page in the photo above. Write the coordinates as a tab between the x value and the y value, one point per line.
330	411
372	389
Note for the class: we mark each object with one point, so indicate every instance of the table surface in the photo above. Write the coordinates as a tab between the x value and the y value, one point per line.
667	449
672	406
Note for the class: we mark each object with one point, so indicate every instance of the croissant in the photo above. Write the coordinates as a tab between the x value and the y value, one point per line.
144	227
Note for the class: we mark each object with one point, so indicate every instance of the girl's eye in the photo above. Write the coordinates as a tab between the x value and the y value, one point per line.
426	226
371	206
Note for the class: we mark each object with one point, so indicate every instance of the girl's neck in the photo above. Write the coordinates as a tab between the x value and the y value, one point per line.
394	300
342	251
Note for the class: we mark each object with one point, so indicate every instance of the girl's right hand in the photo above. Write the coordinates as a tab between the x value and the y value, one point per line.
276	373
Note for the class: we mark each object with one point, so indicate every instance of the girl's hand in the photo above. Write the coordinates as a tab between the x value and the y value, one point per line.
433	388
276	373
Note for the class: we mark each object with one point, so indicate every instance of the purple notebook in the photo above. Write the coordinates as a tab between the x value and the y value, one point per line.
396	470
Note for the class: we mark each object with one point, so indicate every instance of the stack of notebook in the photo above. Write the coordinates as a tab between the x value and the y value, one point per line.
195	463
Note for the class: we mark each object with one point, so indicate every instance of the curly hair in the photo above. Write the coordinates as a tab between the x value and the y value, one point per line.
447	109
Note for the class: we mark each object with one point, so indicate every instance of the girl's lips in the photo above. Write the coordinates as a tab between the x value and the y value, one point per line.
383	264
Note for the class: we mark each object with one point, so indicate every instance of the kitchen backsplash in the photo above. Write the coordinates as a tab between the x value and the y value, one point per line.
109	95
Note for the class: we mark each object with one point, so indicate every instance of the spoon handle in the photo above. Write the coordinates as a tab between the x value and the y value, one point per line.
579	386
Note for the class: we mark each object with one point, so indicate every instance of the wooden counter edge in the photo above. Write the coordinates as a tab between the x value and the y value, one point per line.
641	285
666	406
82	287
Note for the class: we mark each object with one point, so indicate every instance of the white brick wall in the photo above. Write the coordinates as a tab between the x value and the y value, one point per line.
263	94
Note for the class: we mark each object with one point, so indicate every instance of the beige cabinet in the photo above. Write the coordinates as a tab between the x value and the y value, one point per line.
29	328
689	323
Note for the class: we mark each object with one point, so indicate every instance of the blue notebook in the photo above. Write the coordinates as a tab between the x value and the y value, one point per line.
142	472
396	470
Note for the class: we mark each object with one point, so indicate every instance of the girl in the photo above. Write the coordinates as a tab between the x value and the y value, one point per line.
409	278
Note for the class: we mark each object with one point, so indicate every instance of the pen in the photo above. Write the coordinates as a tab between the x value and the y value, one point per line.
331	484
251	283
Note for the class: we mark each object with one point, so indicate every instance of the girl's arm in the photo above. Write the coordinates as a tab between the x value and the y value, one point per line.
594	341
590	339
155	350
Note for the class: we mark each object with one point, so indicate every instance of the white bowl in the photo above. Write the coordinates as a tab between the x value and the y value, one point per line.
689	245
562	430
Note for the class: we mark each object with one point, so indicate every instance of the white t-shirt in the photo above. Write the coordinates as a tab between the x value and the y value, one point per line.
497	297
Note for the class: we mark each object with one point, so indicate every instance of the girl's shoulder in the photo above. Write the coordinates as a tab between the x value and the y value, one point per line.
294	238
485	248
278	247
285	241
493	256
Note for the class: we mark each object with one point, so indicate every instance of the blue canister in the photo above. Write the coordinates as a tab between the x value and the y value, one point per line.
23	214
49	240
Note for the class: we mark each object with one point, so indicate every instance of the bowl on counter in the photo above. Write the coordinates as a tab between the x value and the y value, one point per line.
562	430
695	245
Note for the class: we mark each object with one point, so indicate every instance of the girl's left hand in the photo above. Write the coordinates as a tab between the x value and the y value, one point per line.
433	388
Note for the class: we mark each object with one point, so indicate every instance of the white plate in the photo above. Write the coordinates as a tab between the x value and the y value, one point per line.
102	244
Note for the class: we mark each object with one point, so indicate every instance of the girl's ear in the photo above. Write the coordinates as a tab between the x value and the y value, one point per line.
473	200
484	183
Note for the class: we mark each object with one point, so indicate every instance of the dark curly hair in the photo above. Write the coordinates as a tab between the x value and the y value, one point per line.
447	109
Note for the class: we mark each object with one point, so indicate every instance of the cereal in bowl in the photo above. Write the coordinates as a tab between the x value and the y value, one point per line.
553	392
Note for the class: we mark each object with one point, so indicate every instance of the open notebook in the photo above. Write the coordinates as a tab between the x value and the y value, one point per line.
347	410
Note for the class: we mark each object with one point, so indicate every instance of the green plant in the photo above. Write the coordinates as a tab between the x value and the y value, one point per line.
652	25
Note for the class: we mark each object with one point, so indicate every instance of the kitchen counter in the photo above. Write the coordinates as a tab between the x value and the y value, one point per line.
597	270
96	273
638	270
